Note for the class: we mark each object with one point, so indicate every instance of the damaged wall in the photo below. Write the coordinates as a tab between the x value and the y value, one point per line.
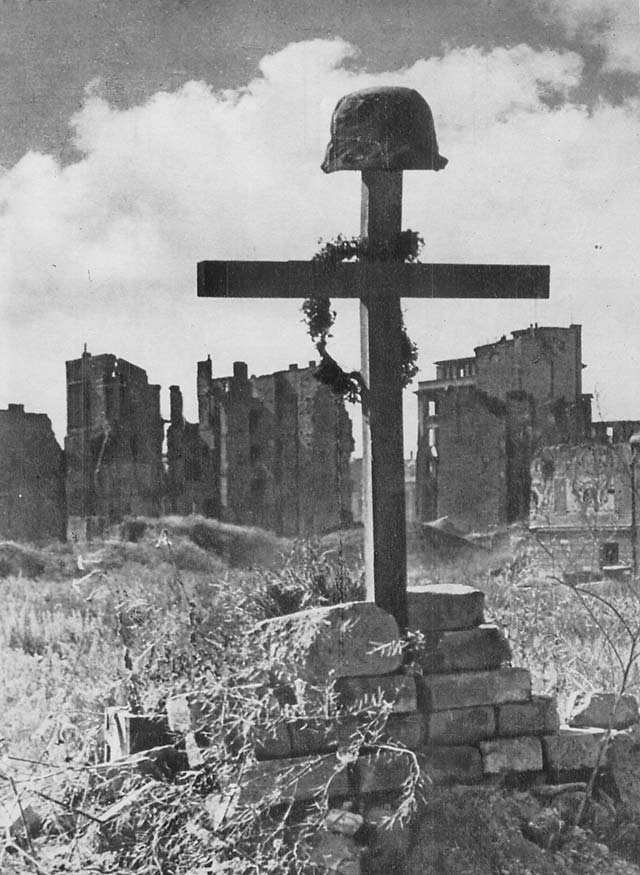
113	445
283	444
32	478
533	383
581	505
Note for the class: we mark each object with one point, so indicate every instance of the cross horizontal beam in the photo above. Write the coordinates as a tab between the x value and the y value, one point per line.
295	279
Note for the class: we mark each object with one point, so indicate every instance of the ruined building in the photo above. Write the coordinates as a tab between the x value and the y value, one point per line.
192	477
583	507
113	445
271	451
483	418
32	495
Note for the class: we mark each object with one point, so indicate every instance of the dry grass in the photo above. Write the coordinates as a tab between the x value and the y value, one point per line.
169	602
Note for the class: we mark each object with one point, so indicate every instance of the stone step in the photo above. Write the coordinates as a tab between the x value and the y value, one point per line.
572	750
442	692
502	756
399	690
482	648
537	717
443	607
453	765
462	725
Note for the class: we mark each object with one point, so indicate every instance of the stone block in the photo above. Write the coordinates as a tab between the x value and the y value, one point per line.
572	749
299	779
319	735
126	733
537	717
361	693
462	725
624	758
347	640
597	709
409	730
503	755
472	688
188	715
383	772
322	735
449	765
482	648
439	607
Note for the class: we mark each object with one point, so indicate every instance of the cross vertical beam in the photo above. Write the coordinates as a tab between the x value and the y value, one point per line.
382	431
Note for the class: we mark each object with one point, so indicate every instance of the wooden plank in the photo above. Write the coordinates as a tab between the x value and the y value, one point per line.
294	279
382	427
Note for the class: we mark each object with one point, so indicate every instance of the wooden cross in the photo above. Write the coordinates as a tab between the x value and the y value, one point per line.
379	285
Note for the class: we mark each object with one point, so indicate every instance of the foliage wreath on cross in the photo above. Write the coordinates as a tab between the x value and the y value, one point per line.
320	317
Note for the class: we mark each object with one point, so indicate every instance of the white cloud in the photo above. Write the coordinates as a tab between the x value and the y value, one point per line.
105	248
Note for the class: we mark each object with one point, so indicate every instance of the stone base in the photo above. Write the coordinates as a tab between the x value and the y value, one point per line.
462	725
572	750
453	765
479	649
502	756
442	607
469	689
537	717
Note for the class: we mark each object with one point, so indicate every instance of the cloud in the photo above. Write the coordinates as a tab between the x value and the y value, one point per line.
612	25
105	248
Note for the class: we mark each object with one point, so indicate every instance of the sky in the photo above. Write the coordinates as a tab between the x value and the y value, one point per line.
142	136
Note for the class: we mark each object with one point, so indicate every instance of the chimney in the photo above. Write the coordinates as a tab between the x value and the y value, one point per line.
176	404
240	371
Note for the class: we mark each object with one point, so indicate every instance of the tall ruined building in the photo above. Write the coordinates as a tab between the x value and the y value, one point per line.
483	418
113	445
32	500
271	451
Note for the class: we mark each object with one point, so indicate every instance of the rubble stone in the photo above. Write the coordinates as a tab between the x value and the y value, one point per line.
461	725
537	717
595	709
447	765
298	779
503	755
126	733
482	648
624	759
439	607
360	692
346	640
470	689
383	772
572	749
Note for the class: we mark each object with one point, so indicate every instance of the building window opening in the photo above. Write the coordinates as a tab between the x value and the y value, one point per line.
610	553
432	408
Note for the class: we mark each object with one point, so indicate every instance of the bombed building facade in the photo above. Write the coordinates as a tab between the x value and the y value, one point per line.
280	445
113	446
482	419
270	451
583	515
32	477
